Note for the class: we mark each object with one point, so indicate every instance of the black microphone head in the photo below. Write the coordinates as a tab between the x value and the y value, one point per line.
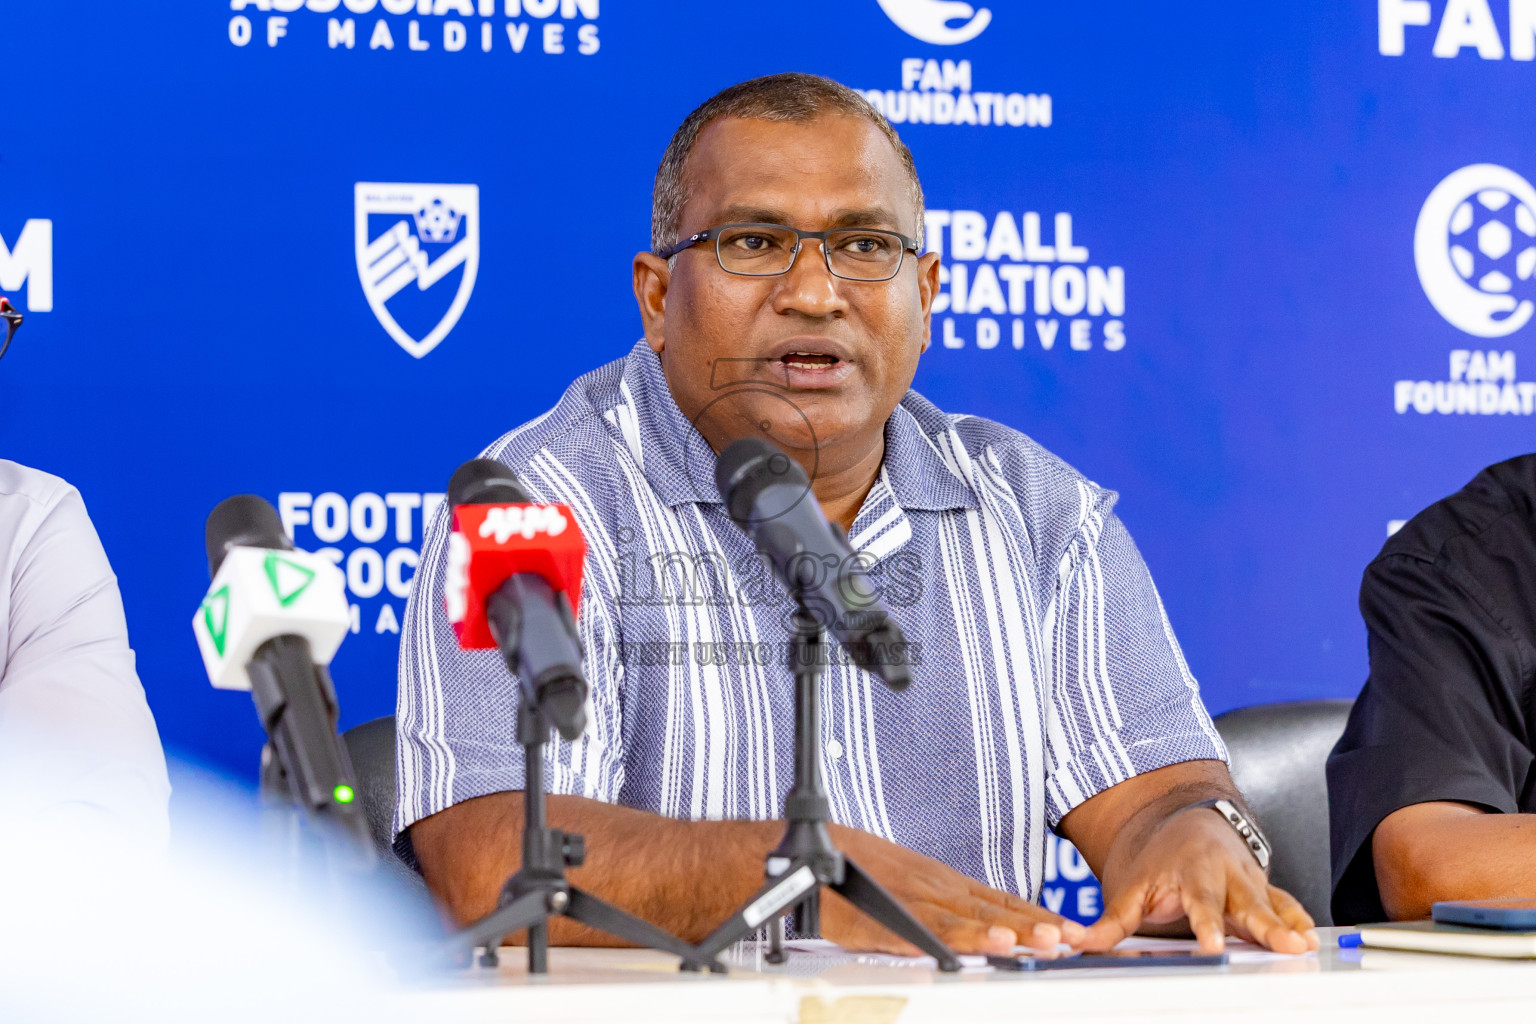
485	482
748	467
246	521
883	652
564	703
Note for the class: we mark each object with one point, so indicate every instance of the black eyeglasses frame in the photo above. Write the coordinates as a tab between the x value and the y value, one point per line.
708	234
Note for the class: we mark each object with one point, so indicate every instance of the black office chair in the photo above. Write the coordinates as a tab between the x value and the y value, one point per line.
1278	755
372	749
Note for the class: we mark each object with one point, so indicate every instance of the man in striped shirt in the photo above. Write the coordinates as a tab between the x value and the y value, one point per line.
786	297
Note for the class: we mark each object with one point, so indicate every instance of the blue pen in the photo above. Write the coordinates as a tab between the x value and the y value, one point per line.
1350	940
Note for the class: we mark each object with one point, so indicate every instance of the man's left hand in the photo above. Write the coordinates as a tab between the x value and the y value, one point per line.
1195	866
1163	861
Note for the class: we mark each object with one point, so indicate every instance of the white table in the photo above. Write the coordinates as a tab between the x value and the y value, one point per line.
593	985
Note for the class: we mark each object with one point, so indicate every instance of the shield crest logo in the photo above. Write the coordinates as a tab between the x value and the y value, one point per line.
416	246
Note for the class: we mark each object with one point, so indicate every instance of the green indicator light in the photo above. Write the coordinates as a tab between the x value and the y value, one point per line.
343	794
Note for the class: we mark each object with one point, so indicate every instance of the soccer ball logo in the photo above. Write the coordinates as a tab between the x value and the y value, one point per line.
1501	233
1475	246
437	222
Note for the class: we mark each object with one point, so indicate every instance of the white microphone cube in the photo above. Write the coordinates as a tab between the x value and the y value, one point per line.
259	594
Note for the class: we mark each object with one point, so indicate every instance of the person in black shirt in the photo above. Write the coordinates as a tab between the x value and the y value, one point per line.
1431	790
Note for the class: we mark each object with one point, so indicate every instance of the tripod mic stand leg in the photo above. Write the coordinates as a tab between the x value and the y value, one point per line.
769	903
776	954
538	948
529	909
532	911
607	918
870	897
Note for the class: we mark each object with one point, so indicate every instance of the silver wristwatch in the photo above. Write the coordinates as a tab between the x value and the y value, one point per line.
1243	826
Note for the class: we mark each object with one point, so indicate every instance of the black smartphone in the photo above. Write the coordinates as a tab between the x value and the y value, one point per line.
1507	914
1114	959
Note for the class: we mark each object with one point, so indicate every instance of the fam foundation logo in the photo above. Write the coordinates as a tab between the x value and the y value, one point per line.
418	251
1022	281
503	26
940	91
1475	249
931	20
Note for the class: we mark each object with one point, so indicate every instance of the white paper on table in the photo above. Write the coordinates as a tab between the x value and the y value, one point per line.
1238	952
829	953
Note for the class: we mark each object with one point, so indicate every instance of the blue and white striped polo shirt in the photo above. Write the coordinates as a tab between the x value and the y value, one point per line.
1046	670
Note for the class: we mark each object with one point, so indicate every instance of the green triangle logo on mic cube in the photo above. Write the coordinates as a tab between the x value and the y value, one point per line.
289	579
216	617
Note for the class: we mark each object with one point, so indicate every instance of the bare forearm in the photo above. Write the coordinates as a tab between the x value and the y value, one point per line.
683	876
1448	851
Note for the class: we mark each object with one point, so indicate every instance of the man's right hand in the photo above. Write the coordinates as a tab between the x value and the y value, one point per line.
966	915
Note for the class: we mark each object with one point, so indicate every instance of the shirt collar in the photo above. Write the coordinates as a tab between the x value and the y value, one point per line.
917	472
680	465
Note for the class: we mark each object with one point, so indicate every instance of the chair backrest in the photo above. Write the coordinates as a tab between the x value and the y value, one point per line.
372	749
1278	756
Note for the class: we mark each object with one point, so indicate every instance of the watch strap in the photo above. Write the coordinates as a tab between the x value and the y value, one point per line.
1244	826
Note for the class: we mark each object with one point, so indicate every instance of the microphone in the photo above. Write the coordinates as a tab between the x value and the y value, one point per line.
271	623
514	583
768	495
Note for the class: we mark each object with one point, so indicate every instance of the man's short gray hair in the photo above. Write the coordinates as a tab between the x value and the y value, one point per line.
795	97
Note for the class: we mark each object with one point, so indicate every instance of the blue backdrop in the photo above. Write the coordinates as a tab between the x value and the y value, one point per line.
1264	269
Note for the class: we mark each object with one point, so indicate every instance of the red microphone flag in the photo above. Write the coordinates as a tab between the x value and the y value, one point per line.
491	543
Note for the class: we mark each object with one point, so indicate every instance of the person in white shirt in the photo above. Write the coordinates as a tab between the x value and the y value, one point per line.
79	751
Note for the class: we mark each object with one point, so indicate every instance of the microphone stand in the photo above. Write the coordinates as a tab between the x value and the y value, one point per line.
806	859
330	843
539	890
316	827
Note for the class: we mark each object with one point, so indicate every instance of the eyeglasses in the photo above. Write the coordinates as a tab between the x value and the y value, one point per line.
767	250
12	321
